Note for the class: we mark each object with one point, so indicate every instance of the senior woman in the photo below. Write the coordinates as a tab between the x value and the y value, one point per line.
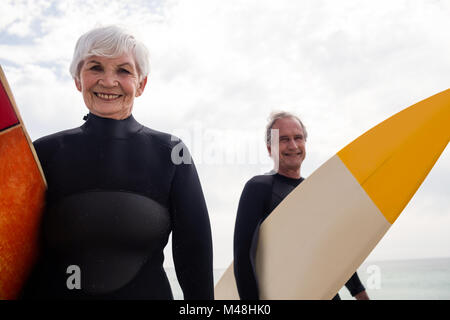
114	193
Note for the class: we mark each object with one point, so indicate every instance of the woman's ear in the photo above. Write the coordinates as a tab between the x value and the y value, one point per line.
141	87
78	84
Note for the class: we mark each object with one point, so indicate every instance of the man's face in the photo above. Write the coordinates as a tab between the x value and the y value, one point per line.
291	144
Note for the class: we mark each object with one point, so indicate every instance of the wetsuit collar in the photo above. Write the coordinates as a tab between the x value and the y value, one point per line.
288	180
110	128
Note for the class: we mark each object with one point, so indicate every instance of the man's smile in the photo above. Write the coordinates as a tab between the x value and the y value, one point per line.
292	154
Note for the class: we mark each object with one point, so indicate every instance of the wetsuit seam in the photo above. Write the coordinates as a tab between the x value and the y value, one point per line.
111	190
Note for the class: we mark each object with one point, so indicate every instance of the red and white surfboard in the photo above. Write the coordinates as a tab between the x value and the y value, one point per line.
22	193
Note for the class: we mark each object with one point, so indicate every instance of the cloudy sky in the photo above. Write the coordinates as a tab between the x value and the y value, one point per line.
219	67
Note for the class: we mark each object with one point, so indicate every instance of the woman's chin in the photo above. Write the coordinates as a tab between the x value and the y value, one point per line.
110	112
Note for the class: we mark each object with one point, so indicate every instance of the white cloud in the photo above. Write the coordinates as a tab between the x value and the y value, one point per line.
17	16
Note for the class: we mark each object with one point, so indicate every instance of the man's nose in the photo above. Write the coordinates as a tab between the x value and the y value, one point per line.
292	144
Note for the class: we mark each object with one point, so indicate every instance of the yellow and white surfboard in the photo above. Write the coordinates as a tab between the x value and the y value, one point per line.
323	230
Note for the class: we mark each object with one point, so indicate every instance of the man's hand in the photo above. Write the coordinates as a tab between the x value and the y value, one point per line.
362	296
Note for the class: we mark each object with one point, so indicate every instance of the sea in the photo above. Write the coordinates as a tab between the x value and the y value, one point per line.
418	279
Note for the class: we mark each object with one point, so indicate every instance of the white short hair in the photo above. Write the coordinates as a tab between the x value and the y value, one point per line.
274	116
110	41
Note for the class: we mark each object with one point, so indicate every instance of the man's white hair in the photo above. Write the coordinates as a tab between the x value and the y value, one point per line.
276	115
110	41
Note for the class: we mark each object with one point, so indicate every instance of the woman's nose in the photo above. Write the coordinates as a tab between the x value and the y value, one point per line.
109	80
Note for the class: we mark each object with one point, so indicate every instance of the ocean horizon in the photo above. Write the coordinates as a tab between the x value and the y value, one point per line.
413	279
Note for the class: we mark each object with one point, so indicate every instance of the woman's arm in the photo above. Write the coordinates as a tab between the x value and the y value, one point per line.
191	237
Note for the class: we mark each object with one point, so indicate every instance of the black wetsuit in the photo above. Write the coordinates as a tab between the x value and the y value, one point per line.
114	196
261	195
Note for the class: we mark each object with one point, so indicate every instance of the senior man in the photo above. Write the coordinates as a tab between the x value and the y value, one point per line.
263	193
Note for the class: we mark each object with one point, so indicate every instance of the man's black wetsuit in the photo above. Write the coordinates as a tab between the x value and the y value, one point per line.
114	196
261	195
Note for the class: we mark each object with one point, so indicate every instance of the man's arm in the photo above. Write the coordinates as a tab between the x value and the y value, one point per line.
356	288
362	296
250	213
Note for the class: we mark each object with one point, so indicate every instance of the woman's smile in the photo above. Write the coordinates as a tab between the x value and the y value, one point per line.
107	96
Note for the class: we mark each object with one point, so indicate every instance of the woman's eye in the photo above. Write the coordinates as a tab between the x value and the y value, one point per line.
96	68
124	71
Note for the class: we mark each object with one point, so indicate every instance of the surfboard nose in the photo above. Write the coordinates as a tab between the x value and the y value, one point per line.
403	148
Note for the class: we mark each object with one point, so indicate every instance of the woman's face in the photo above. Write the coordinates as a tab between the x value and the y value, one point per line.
109	85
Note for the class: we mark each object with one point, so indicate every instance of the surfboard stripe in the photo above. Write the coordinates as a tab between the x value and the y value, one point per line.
21	203
7	115
5	131
391	160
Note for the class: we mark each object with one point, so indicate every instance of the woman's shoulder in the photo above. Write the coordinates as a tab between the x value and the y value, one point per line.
161	138
56	139
58	136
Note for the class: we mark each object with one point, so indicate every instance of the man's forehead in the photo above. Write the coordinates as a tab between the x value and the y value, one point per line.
288	125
